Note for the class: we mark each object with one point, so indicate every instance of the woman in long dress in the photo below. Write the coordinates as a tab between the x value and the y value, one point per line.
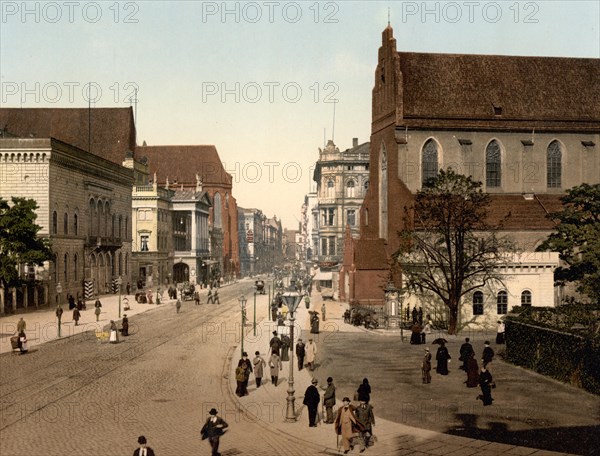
442	356
485	383
472	371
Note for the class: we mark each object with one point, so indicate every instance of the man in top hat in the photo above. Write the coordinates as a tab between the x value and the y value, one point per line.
312	398
213	429
143	450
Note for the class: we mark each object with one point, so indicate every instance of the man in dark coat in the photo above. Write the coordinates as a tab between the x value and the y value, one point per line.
466	350
275	343
329	400
426	367
125	326
488	353
312	398
442	356
144	449
485	383
300	353
213	430
364	415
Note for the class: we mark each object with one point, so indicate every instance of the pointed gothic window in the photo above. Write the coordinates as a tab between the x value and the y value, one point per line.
429	161
493	165
554	165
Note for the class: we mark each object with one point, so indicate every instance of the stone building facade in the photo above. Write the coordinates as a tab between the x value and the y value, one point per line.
259	242
84	209
342	179
528	128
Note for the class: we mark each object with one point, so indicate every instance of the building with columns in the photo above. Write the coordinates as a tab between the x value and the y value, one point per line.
84	210
528	128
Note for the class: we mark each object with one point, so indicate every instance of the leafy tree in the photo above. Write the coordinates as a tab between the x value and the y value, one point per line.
577	239
19	240
449	249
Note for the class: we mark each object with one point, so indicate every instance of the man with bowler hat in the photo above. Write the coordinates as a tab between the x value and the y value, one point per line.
213	429
143	450
312	398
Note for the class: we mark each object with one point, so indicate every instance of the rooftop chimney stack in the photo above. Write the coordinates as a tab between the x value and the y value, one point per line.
354	142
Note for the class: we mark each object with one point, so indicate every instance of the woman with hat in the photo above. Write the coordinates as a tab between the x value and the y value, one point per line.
213	429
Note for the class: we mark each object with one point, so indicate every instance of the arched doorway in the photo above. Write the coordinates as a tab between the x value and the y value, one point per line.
181	273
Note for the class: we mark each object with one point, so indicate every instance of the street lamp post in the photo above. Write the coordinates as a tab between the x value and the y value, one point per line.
58	293
119	282
254	322
242	300
292	298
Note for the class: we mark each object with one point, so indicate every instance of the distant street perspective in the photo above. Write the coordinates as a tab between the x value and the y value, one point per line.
300	228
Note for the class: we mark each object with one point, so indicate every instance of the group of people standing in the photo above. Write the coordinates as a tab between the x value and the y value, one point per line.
349	420
475	376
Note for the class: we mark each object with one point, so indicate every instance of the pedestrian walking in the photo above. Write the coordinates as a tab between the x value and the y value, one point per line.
312	398
213	429
143	449
426	366
59	312
246	361
97	304
363	393
274	310
21	325
259	365
415	337
472	371
240	378
300	353
125	325
415	315
178	305
275	343
366	419
114	336
97	311
466	350
23	345
443	358
323	310
500	333
488	353
420	316
275	366
314	323
76	316
128	288
216	297
311	354
485	383
197	298
329	400
210	299
346	424
285	347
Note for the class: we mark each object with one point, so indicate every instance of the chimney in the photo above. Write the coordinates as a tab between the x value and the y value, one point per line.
354	142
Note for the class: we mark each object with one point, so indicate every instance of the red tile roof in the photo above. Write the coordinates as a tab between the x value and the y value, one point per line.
182	163
466	88
525	214
111	130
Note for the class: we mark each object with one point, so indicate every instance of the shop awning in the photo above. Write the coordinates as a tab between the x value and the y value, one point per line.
327	275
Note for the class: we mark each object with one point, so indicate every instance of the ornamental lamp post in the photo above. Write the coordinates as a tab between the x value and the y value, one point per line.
292	298
242	300
119	282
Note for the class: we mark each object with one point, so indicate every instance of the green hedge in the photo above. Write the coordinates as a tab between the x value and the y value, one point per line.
567	357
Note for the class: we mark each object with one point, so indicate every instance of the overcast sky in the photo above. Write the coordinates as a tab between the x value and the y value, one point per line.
257	79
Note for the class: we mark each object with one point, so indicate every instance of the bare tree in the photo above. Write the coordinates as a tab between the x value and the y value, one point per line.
450	248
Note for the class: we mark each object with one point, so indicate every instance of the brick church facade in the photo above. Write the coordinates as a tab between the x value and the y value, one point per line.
528	128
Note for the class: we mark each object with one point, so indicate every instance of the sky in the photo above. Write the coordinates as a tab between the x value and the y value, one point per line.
265	82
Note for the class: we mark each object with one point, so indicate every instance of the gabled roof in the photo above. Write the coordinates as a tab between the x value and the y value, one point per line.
190	194
109	131
181	164
463	87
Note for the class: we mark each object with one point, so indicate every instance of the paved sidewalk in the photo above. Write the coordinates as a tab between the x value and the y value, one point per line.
267	404
42	324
